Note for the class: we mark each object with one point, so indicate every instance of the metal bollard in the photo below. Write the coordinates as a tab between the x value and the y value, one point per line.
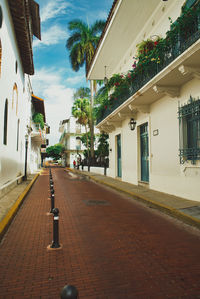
50	182
55	242
52	201
69	292
51	188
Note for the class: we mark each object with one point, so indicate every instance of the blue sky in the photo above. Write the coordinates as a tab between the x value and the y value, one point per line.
54	80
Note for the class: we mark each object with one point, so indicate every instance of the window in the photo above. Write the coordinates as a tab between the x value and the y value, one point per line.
5	128
78	128
15	97
18	135
78	143
1	17
189	131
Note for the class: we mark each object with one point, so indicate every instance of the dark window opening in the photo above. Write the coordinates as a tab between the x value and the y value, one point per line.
18	134
5	129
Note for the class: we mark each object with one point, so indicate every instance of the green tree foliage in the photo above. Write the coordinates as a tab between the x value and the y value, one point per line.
103	146
86	141
81	111
82	92
81	45
39	118
54	151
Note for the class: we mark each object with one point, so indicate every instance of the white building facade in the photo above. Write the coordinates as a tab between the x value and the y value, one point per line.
163	150
19	20
72	131
70	138
37	135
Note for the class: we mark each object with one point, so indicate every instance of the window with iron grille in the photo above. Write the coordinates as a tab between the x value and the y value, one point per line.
189	131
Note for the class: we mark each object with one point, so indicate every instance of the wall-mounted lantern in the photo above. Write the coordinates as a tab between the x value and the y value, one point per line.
105	80
132	124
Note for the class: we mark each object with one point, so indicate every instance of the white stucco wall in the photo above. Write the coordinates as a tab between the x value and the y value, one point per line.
12	161
166	174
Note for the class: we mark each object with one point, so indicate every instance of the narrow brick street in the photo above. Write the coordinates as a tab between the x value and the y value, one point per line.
113	246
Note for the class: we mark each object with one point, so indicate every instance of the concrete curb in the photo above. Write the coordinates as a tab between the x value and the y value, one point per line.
13	210
164	208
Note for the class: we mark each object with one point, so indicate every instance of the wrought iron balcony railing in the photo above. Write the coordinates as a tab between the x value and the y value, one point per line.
181	43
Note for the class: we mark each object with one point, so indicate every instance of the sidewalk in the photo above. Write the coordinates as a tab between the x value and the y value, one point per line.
185	210
10	202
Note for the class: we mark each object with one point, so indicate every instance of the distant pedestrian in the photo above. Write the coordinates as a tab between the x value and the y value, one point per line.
74	163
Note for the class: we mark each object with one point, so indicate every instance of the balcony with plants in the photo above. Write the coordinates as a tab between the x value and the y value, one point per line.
38	127
152	57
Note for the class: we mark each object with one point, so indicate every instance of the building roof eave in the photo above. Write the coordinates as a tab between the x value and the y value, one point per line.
25	13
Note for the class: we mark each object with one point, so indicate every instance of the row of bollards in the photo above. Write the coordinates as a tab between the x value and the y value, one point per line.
69	291
55	212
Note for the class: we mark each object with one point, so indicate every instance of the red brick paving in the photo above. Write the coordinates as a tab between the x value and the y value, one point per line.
117	251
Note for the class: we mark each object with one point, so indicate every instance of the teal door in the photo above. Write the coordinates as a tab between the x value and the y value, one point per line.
144	145
119	157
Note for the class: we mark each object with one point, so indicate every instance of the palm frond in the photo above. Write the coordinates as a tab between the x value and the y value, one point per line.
76	37
98	27
76	57
102	95
77	24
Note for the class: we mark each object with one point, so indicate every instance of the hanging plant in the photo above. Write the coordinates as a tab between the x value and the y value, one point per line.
39	118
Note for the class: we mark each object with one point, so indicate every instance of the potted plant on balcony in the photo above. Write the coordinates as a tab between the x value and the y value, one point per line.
38	118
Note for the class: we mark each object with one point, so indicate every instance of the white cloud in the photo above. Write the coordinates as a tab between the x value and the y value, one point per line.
52	36
53	9
76	79
58	99
102	15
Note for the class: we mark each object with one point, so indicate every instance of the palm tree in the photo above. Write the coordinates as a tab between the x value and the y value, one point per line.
82	44
81	111
83	41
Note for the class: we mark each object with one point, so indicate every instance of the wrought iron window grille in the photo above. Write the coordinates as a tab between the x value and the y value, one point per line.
189	131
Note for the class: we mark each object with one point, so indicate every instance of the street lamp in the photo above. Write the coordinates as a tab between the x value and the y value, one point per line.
26	152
